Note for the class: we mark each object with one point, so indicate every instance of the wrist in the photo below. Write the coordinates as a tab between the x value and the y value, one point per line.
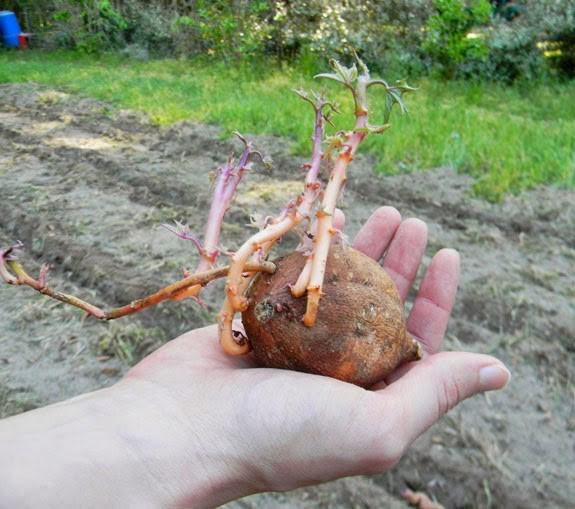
184	452
71	451
114	448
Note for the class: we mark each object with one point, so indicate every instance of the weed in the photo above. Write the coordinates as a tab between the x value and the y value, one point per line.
129	343
13	403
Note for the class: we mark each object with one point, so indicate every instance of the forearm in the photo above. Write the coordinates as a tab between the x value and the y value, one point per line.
66	455
105	450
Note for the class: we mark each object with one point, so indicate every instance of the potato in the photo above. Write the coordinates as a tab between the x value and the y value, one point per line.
359	335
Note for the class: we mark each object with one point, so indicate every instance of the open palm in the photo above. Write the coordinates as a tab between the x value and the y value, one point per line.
277	430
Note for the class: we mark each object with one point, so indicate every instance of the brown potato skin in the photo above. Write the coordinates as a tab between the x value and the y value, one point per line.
359	335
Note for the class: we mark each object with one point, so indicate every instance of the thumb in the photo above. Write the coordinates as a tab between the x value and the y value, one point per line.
436	384
338	219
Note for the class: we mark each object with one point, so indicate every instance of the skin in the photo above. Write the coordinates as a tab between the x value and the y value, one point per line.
190	426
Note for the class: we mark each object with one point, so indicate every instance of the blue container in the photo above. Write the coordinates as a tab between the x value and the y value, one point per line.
9	29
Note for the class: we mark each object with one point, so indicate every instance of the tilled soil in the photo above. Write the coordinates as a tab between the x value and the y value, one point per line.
85	187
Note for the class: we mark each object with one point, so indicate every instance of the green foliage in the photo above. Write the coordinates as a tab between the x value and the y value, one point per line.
386	35
554	23
512	55
151	30
528	42
14	401
449	40
91	26
225	28
129	343
508	138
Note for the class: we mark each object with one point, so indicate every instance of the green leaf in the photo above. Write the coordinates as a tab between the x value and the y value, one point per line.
333	141
395	96
379	129
377	82
403	86
373	129
303	94
346	75
330	77
352	74
362	66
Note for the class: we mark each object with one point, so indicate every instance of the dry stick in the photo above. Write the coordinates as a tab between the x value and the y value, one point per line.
22	278
235	287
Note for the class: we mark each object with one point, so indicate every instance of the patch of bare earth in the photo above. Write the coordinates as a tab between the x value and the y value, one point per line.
85	187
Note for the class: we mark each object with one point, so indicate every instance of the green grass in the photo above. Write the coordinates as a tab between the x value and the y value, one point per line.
509	138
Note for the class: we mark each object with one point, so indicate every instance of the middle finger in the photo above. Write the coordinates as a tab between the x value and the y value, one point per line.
405	253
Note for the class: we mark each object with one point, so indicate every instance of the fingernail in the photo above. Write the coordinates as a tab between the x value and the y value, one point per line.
494	377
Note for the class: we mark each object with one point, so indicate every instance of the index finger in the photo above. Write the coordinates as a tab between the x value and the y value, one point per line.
375	235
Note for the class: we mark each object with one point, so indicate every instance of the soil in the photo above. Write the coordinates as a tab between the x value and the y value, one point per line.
85	186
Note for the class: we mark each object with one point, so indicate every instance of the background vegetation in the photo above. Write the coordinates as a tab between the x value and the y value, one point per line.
495	98
496	40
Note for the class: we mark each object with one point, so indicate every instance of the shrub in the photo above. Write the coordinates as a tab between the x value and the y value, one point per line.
449	41
512	55
400	37
150	29
385	34
555	20
89	25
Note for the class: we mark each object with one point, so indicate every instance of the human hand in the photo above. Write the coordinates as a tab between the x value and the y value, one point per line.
226	428
190	426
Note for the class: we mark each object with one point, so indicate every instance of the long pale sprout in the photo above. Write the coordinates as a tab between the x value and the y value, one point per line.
235	287
333	188
251	257
358	85
227	180
13	273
